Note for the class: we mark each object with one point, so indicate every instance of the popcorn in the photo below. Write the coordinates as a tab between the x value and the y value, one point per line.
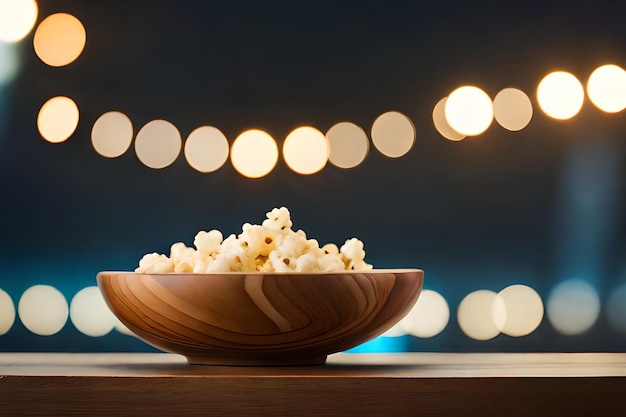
278	219
272	246
292	245
353	253
331	249
306	263
155	263
208	243
259	241
331	262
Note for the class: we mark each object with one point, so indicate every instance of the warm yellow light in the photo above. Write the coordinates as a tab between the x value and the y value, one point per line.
523	310
441	124
43	310
254	153
206	149
158	144
560	95
469	110
121	327
475	315
59	39
58	119
112	134
393	134
349	145
90	314
428	317
606	88
512	109
17	18
306	150
7	312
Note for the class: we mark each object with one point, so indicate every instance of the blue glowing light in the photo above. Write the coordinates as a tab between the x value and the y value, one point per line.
588	209
383	344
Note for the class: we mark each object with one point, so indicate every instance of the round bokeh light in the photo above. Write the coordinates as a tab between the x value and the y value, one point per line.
469	110
254	153
560	95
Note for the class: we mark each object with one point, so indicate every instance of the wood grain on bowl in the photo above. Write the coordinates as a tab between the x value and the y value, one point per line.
260	318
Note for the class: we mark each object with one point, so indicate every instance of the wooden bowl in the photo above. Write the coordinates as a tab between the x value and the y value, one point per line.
260	319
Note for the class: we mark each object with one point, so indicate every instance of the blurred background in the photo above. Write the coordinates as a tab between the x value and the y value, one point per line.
483	142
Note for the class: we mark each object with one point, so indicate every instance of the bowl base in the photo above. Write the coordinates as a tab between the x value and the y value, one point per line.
256	361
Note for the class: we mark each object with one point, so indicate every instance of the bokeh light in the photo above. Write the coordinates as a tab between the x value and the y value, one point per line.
349	145
475	315
441	124
17	18
206	149
393	134
57	119
560	95
523	310
121	328
43	310
59	39
573	307
428	317
469	110
7	312
9	62
305	150
606	88
397	330
158	144
112	134
512	109
254	153
90	314
616	308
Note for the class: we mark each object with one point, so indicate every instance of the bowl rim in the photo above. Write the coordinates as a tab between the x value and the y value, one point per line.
273	273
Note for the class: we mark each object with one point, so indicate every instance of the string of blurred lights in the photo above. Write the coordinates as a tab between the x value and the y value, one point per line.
467	111
572	308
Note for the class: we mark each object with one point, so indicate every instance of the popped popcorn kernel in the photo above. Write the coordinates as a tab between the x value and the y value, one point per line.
202	265
292	245
353	249
180	252
185	265
281	263
354	254
155	263
260	241
307	263
272	246
331	249
208	242
330	262
278	219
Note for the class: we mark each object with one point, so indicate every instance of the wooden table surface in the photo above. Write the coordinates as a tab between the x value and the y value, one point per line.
420	384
